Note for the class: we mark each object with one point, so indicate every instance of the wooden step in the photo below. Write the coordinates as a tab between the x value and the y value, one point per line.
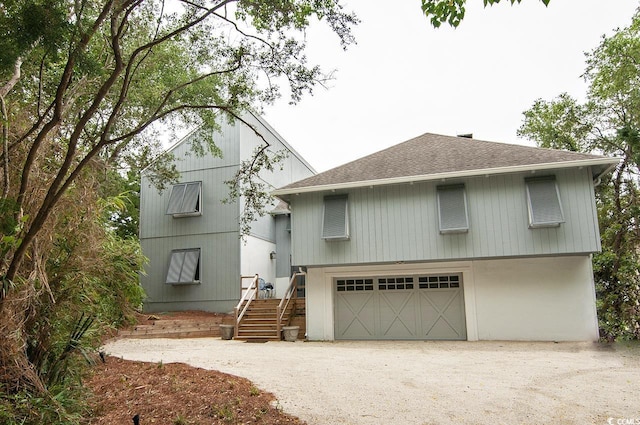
260	321
180	329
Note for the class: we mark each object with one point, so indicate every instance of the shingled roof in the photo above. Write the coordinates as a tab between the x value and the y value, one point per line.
434	156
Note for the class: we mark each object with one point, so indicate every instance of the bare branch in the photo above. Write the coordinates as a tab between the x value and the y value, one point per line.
15	77
5	147
158	113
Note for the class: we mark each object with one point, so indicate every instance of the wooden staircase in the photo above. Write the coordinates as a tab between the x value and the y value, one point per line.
262	319
260	322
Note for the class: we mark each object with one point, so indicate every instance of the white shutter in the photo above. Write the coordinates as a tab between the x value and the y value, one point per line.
452	209
176	199
185	199
190	267
335	221
191	202
543	199
175	267
184	266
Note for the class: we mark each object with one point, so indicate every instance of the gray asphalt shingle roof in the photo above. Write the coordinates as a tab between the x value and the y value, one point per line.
430	154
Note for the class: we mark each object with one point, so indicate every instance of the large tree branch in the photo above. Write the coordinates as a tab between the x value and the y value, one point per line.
133	64
178	31
58	103
5	147
13	80
160	113
57	187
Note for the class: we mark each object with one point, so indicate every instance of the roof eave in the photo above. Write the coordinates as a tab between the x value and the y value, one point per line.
607	162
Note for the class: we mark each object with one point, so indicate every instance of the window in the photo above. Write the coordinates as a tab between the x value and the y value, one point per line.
543	201
343	285
185	200
452	209
335	218
438	282
391	283
184	266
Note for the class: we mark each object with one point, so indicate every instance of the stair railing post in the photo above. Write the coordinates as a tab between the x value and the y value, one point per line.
256	280
278	321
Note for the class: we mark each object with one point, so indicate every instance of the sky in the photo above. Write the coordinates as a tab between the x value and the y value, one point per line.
405	78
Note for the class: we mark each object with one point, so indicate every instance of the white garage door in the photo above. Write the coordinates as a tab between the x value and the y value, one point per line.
400	307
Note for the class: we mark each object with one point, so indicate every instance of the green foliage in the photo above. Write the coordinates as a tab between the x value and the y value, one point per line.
120	202
226	412
26	23
559	124
452	11
247	185
180	420
607	123
101	84
61	406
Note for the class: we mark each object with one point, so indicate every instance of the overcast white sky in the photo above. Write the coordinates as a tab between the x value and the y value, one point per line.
405	78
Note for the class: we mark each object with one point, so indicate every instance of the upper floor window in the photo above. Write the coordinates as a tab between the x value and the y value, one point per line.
452	209
543	201
185	199
335	218
184	266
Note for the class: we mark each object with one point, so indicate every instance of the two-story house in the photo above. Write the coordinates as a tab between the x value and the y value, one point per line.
192	239
450	238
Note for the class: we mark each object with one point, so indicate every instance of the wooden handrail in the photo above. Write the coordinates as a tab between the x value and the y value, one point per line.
290	293
249	295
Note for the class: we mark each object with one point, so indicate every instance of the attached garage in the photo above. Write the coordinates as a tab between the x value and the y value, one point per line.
410	307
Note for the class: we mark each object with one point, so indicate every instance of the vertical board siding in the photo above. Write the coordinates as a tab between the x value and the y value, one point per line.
216	215
219	266
291	168
227	139
283	246
216	230
400	223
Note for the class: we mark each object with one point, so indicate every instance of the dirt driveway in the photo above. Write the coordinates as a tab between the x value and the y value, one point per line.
401	382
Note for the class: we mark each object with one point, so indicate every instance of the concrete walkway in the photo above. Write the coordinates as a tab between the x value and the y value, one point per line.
402	382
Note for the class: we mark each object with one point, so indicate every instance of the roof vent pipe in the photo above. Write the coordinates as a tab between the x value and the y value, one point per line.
466	135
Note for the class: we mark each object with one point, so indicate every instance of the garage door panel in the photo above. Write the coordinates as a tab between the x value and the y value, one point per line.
442	314
397	314
441	329
356	318
455	315
404	307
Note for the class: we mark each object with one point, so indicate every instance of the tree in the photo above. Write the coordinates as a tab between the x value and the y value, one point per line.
84	85
608	122
453	11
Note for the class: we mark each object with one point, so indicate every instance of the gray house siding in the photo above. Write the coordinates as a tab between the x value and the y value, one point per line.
400	223
216	216
216	231
283	243
219	265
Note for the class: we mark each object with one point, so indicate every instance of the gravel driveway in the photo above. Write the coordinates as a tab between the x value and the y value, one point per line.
402	382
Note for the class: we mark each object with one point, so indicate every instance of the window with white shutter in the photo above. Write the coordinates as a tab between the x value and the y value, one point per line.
452	209
184	267
543	201
335	218
185	199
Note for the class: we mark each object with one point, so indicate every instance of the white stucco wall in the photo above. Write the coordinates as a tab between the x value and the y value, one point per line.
549	299
281	286
254	258
544	298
